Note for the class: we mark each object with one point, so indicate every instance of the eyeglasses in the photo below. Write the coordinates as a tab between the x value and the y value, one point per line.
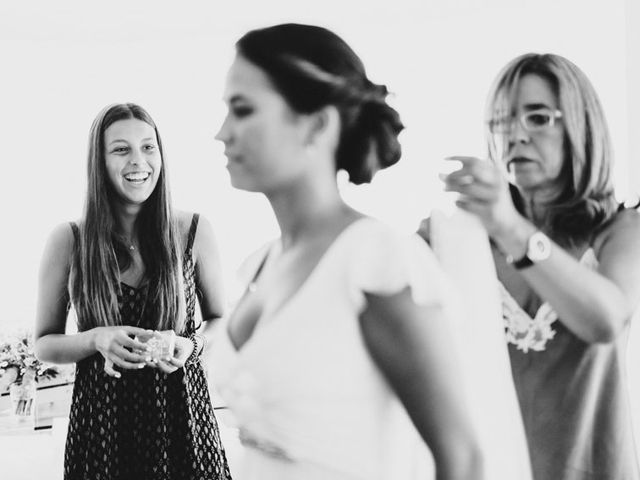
533	121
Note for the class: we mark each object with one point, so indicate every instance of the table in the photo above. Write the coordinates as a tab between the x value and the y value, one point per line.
35	449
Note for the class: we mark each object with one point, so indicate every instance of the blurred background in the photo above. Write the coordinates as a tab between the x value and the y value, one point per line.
63	61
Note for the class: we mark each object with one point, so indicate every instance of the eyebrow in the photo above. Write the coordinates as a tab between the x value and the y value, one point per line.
125	141
237	97
535	106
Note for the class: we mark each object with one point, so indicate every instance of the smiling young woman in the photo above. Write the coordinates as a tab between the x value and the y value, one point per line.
132	160
131	267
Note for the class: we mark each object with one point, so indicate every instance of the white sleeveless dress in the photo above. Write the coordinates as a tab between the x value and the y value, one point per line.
309	401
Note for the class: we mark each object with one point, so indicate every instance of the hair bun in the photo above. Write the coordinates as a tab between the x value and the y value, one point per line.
375	91
371	143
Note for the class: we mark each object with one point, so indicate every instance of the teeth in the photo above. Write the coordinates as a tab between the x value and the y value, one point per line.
137	176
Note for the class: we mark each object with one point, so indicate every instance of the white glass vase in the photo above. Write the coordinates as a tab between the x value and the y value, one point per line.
23	400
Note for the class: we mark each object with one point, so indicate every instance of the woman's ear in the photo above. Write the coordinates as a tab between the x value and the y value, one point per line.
324	128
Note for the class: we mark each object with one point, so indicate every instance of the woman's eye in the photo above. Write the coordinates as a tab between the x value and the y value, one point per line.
149	148
539	119
120	150
241	111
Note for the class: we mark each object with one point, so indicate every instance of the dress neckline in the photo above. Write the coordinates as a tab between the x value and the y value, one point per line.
139	287
303	285
588	259
528	332
145	284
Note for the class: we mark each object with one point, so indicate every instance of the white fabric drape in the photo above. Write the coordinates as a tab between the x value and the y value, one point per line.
461	245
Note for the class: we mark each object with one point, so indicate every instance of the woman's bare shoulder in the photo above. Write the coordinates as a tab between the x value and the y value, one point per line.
62	237
59	245
183	221
625	227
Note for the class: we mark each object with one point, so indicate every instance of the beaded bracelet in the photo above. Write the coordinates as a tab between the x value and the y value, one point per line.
198	347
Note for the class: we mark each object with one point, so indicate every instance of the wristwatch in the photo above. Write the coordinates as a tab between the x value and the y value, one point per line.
538	249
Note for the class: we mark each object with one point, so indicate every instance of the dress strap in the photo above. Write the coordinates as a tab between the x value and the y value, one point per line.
76	231
192	230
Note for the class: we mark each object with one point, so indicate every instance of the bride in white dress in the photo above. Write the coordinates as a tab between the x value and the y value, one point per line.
341	361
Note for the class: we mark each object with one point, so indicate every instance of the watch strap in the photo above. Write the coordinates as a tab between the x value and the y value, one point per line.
521	263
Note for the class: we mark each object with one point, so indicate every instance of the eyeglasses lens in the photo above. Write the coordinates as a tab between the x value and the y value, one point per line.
534	121
531	121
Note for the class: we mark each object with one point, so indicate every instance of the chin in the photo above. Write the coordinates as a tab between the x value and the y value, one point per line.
245	187
528	185
242	183
138	199
524	179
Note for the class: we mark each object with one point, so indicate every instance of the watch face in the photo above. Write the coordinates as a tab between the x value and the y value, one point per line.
539	247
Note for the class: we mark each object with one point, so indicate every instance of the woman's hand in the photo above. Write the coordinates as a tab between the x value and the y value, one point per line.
119	348
181	352
484	191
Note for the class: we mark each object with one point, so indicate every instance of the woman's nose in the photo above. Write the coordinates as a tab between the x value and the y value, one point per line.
135	157
517	132
223	132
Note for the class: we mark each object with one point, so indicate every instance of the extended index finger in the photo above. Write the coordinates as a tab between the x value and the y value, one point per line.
465	159
482	170
468	164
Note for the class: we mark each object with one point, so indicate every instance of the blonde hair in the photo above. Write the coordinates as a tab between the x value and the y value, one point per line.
586	201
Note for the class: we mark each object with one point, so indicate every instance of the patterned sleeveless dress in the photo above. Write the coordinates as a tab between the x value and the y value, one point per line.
146	424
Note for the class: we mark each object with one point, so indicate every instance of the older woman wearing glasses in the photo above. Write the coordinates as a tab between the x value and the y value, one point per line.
568	258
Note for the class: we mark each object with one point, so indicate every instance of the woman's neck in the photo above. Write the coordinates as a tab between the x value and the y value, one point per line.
303	209
536	204
125	218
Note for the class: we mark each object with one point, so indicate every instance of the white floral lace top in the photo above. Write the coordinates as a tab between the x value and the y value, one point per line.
528	333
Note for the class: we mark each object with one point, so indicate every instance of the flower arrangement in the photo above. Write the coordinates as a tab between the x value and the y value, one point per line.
18	363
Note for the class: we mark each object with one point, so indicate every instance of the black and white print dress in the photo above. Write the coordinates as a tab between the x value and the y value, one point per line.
146	424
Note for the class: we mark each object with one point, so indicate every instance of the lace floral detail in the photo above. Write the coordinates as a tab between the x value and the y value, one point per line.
521	330
528	333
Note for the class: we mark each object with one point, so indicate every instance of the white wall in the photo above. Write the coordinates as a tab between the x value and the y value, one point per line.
633	92
63	61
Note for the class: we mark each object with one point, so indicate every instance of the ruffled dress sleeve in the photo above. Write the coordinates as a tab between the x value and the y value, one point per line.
459	276
388	261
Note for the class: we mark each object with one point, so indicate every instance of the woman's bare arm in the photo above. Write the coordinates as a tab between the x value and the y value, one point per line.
412	347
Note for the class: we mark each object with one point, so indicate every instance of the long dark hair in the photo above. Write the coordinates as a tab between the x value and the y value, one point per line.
101	253
312	67
586	201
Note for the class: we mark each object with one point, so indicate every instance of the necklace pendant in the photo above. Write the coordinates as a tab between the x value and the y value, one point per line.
132	248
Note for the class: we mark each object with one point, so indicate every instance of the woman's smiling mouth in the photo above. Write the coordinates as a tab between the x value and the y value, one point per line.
137	178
